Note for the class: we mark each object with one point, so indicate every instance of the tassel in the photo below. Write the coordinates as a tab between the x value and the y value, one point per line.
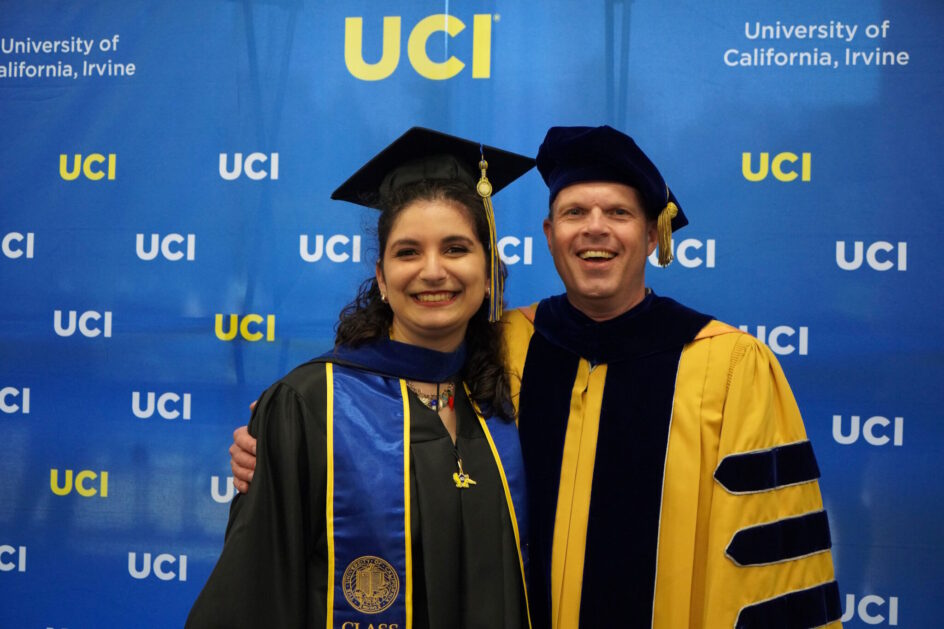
496	285
669	212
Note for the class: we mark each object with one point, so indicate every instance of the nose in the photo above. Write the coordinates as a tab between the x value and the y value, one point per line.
433	269
595	223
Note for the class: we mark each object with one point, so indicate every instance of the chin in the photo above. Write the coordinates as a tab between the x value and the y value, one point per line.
441	327
595	292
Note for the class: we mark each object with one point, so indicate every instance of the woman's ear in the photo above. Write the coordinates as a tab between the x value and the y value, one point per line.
381	284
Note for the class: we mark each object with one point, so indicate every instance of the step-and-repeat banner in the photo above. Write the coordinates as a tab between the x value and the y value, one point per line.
169	247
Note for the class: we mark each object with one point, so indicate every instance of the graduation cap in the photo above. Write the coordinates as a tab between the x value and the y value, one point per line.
426	155
571	155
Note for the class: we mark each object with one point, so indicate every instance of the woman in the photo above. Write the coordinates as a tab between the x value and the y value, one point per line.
382	496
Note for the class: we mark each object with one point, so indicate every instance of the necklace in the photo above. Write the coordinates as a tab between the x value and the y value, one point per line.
444	396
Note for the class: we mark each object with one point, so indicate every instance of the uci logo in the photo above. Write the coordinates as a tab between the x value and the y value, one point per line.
170	247
16	561
690	260
221	496
416	48
889	261
157	565
80	487
91	166
871	609
8	402
161	403
776	167
13	246
870	427
330	248
85	327
241	327
250	166
510	242
776	345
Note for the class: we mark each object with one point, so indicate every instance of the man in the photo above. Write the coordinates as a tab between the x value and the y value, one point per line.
670	480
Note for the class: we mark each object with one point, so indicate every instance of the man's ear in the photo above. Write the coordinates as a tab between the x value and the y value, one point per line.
548	230
652	236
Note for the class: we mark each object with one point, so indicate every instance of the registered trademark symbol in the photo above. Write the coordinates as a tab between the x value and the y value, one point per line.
496	17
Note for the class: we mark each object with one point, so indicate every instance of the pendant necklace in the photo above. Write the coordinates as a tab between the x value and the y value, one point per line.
445	396
462	480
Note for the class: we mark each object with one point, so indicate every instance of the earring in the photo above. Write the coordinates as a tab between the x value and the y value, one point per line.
383	297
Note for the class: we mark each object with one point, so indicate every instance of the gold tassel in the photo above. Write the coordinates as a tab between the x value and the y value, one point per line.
669	212
496	285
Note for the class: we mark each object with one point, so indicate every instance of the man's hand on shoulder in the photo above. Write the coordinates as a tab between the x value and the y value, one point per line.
242	457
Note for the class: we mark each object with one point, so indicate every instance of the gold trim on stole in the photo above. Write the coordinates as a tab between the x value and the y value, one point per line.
329	492
407	530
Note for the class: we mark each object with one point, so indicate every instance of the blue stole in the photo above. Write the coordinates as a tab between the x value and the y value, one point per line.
370	572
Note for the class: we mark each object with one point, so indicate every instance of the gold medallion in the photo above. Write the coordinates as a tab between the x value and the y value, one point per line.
370	584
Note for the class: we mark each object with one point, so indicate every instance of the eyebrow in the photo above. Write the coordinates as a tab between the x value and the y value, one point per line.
455	238
609	207
569	206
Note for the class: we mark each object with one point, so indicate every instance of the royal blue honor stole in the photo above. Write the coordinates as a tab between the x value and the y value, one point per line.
370	573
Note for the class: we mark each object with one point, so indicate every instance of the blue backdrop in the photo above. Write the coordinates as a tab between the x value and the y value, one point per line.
169	248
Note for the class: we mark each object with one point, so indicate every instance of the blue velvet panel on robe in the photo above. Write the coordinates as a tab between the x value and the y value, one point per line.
781	540
813	607
766	470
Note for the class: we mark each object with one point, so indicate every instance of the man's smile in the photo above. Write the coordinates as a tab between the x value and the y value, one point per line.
596	254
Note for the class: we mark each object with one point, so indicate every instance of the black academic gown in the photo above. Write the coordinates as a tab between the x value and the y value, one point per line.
273	568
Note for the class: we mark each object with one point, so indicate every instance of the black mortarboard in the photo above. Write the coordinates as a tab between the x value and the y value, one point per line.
571	155
425	155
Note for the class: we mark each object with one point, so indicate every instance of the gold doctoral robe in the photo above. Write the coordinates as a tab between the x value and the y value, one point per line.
671	483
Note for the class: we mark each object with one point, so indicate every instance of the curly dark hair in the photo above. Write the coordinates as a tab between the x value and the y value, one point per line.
367	318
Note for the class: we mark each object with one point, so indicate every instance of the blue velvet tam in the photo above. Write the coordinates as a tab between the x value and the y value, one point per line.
571	155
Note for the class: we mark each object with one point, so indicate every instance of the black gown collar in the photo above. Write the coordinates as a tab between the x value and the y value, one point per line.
653	325
399	360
